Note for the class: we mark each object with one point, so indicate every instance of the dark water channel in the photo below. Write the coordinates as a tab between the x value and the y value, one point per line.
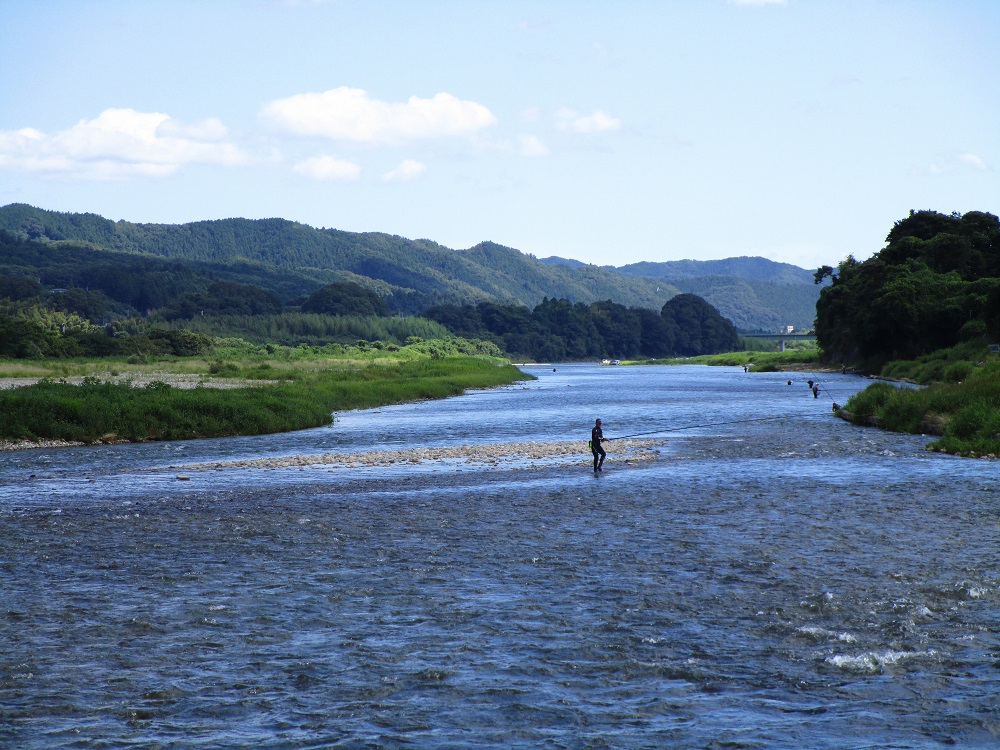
790	583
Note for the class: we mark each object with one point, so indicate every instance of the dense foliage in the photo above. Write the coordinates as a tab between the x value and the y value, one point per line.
346	298
137	283
68	299
934	284
700	329
223	298
292	328
29	331
558	330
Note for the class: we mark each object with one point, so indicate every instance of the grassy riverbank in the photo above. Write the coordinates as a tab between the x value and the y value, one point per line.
960	405
291	399
792	359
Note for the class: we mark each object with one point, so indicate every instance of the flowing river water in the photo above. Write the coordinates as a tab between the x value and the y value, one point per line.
770	577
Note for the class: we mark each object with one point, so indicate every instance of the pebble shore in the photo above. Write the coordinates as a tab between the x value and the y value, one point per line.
15	445
535	453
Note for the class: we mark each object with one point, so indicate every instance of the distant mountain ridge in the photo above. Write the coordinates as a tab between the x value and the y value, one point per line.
413	274
742	267
756	294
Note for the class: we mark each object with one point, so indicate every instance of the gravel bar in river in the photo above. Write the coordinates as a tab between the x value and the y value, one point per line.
490	453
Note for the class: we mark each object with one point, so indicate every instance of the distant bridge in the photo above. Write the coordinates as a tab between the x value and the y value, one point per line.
781	337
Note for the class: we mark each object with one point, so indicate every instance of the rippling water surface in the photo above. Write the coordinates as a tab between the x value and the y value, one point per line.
790	583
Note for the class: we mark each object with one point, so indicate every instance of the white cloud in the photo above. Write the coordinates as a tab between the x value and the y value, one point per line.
531	145
117	144
408	169
596	122
974	161
958	161
350	114
521	145
328	168
210	129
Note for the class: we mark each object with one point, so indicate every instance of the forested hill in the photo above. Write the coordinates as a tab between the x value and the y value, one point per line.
757	294
744	267
410	274
935	284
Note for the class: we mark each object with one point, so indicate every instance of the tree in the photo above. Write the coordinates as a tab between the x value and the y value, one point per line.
19	287
700	329
658	335
822	272
346	298
619	327
462	320
921	292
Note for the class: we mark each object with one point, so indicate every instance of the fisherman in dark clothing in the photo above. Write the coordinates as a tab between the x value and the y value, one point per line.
596	438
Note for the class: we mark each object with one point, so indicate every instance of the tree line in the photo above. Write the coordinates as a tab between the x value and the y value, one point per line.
934	284
558	330
68	299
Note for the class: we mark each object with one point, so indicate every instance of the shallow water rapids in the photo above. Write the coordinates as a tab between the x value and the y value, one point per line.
799	582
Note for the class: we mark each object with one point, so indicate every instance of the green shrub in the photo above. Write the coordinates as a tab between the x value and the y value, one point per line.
973	330
958	371
869	402
930	372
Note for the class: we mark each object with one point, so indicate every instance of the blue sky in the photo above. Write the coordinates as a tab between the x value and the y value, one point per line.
609	132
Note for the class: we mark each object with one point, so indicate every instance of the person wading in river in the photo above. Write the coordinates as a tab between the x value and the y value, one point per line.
596	438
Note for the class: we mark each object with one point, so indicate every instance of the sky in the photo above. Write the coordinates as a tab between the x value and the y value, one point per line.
609	132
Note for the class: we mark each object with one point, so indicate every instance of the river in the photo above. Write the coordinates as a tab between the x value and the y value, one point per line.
773	577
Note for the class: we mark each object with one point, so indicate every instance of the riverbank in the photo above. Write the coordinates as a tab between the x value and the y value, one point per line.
15	445
957	403
791	360
110	412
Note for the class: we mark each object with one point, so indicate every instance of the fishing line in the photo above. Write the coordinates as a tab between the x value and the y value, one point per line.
816	381
705	424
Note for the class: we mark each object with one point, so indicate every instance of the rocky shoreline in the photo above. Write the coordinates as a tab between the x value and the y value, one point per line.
535	453
16	445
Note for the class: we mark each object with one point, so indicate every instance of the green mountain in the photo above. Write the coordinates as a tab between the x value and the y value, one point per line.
744	267
410	274
147	264
757	294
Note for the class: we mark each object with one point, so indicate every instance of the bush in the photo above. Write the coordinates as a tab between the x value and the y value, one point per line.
972	330
956	372
870	401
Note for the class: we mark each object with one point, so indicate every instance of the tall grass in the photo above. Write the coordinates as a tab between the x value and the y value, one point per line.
97	411
964	415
